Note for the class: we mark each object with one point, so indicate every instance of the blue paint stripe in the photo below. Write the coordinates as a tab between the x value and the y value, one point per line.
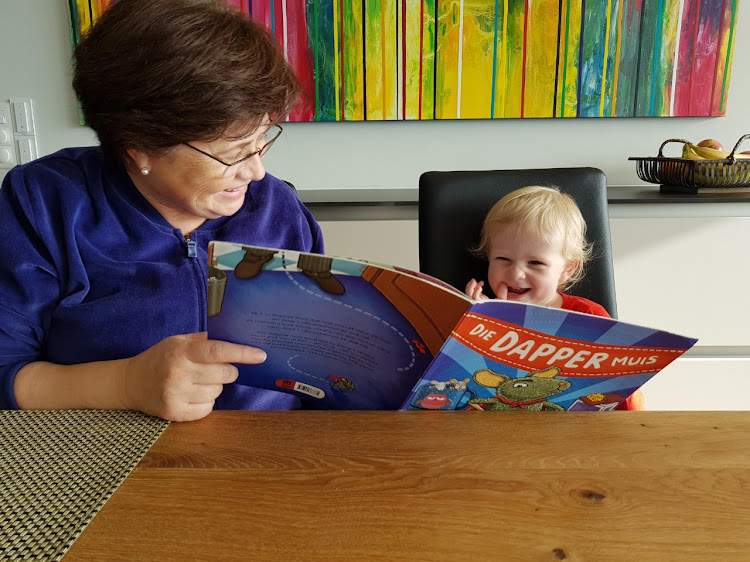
580	58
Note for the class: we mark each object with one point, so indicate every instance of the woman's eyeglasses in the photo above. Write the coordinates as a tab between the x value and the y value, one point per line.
260	152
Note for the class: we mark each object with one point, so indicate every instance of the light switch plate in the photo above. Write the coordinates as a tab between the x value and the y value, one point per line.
7	157
5	119
7	145
27	149
23	116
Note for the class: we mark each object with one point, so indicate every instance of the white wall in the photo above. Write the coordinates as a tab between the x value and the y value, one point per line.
35	56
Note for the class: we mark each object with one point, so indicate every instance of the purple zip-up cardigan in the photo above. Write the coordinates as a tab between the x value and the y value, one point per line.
90	271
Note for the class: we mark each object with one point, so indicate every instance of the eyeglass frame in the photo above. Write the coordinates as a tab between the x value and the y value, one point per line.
260	152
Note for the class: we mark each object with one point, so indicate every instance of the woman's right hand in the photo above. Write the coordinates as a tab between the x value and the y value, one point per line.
180	377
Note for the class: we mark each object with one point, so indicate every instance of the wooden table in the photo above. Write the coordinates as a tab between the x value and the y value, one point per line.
435	486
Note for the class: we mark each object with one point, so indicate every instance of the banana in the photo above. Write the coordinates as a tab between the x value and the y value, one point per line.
715	174
710	153
695	152
689	153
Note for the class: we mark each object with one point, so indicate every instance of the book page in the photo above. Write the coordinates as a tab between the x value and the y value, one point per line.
339	333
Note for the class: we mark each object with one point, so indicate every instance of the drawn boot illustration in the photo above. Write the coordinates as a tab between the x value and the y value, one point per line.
319	268
252	263
327	282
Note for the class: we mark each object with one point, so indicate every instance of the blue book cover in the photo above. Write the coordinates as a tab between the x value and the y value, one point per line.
347	334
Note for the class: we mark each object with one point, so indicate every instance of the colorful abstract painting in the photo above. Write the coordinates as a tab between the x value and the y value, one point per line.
370	60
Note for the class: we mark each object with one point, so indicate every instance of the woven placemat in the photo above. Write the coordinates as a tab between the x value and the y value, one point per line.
57	470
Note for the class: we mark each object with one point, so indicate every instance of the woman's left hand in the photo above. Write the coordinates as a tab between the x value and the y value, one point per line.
180	377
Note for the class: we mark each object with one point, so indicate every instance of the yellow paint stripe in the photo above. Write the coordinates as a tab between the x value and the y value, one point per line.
476	68
541	55
616	75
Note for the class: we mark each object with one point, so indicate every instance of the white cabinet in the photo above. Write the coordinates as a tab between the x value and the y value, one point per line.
692	383
685	275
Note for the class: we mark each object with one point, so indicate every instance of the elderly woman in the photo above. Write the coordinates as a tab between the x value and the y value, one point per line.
103	273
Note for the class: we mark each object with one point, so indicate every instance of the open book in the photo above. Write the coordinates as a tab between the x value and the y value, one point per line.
347	334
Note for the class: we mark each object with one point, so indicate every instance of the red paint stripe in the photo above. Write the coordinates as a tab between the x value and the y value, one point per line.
341	50
706	49
684	62
403	60
301	60
525	44
257	9
421	52
278	14
260	13
692	59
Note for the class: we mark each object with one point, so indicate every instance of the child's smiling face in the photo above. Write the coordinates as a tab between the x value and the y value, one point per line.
527	265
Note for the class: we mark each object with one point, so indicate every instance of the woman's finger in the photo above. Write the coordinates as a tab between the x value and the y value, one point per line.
218	351
203	393
222	373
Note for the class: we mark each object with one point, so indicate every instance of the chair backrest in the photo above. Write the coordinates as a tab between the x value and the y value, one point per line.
452	207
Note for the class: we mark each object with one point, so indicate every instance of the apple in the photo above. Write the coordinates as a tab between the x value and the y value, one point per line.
711	143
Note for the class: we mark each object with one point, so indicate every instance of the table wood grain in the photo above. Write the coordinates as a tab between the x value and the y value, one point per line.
435	486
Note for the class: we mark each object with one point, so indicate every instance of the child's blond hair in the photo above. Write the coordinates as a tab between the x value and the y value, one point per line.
543	210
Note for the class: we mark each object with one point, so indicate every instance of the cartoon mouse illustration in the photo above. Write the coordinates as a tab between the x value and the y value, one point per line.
525	393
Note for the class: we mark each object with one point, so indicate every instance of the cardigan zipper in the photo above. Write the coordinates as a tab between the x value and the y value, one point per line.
192	251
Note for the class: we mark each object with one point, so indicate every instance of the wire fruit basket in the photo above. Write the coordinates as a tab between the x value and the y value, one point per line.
685	175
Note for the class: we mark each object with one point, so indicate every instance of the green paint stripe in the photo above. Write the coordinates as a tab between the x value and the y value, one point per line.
730	48
565	61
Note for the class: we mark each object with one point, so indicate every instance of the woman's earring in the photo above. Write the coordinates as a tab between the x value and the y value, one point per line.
144	171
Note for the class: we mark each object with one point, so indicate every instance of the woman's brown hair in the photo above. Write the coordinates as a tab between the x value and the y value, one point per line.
151	74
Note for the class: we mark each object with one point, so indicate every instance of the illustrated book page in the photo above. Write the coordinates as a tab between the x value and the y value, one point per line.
339	333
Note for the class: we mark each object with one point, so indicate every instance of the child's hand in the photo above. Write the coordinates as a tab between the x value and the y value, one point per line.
474	290
502	292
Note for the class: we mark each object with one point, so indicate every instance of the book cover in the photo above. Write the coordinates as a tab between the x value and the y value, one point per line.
505	355
342	333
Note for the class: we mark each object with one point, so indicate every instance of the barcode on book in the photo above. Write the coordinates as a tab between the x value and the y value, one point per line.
309	390
300	387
